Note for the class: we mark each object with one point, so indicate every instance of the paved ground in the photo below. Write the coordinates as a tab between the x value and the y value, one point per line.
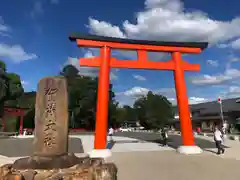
174	140
123	142
139	156
168	165
206	143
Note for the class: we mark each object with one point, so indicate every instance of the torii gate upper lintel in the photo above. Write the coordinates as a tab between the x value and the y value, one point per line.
176	64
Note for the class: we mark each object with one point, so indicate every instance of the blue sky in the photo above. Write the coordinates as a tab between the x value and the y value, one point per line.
34	41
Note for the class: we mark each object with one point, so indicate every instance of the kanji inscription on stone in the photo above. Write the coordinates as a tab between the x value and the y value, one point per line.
51	117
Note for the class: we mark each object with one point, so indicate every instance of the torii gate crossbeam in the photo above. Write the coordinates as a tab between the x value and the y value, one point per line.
105	62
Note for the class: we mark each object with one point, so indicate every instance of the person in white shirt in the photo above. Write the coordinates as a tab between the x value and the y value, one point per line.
218	138
110	133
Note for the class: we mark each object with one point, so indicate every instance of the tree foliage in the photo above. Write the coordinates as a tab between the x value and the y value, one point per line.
10	86
153	110
82	93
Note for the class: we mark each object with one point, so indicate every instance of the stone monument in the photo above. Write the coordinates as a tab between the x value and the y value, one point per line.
51	117
50	159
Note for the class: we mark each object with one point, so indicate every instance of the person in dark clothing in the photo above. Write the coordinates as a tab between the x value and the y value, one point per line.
164	137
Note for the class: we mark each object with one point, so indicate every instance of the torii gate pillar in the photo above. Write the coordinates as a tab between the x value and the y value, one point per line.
105	62
13	112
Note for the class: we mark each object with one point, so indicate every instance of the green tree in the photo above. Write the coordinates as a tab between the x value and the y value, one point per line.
125	114
82	92
130	114
153	110
81	97
113	113
10	86
69	71
119	116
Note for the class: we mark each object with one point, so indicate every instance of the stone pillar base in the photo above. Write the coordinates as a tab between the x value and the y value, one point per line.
189	150
51	162
100	153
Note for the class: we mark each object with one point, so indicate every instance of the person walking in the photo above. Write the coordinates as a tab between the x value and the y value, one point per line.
218	138
110	133
164	137
198	130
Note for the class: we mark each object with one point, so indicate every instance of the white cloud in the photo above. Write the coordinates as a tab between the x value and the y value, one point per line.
24	82
37	9
88	71
234	89
231	92
233	44
129	96
213	62
229	74
172	99
136	92
231	59
15	53
236	44
168	92
88	54
139	77
54	1
168	20
191	100
105	29
234	59
39	6
196	100
113	76
222	45
4	29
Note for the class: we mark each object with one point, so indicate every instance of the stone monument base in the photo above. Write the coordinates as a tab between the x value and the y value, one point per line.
88	169
51	162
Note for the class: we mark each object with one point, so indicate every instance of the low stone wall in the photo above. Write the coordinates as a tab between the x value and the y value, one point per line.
25	146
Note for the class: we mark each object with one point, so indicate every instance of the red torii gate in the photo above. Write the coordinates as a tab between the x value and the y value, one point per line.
105	62
13	112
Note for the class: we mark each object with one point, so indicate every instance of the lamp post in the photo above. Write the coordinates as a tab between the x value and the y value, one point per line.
221	109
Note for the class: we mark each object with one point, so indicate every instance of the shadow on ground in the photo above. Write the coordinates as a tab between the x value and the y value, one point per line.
174	141
111	143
